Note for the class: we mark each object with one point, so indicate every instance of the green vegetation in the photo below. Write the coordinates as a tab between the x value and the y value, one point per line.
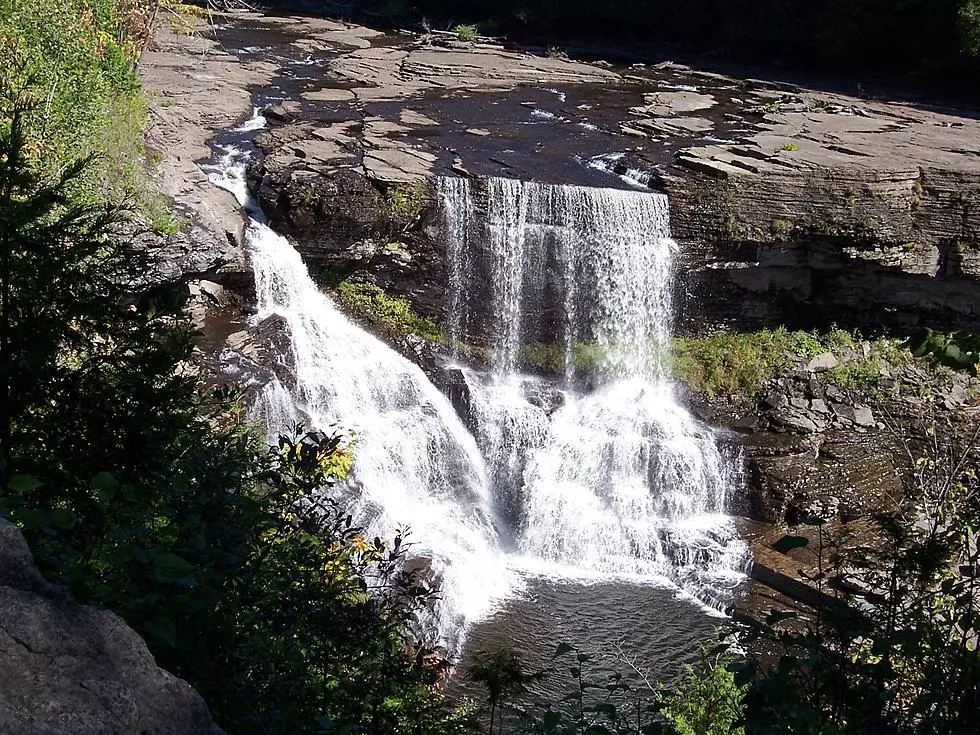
789	147
75	57
69	52
706	700
147	495
738	363
406	201
551	356
599	699
958	350
240	564
466	33
892	647
393	316
780	227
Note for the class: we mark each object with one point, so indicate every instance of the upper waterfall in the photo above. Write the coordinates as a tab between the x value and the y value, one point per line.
614	479
602	256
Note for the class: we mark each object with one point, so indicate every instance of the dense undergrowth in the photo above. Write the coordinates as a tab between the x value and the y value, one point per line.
76	58
147	495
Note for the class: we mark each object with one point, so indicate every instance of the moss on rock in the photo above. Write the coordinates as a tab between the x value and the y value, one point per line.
394	317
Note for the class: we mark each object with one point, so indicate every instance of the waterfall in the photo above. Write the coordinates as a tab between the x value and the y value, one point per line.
596	473
416	466
608	474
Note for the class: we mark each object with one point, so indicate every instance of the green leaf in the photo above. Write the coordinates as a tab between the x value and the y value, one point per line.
719	649
787	543
918	344
23	483
953	356
170	563
62	518
777	616
741	671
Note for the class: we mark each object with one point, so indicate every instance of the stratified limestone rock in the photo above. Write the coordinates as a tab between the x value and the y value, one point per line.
67	668
863	213
843	475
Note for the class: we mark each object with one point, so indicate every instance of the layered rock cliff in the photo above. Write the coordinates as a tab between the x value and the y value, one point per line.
792	206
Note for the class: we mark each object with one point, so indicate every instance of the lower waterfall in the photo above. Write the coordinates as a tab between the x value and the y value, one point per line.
605	473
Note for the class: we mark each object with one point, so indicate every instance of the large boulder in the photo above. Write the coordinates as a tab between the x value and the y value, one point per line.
68	668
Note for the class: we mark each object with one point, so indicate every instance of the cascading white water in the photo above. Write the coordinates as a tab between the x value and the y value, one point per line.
274	409
416	466
620	480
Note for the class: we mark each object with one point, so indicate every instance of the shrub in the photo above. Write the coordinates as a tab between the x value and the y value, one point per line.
66	50
77	57
406	201
706	700
958	350
466	33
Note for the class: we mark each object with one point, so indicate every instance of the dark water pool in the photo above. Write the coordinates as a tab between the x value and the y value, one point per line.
658	630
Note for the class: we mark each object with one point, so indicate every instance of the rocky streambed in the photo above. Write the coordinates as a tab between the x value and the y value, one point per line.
790	205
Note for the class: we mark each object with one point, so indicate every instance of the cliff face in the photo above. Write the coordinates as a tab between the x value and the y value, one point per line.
67	668
894	250
865	215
